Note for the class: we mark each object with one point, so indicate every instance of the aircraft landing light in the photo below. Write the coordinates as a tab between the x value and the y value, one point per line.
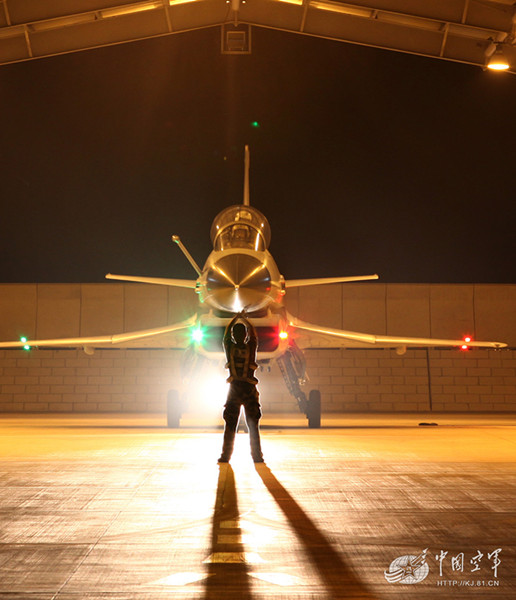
283	335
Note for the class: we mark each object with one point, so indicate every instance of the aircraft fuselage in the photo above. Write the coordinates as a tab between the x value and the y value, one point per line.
237	279
240	272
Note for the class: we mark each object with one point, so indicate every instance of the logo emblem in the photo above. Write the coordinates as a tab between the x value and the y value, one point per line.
408	569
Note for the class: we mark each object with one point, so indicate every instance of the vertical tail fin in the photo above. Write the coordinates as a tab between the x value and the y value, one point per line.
246	177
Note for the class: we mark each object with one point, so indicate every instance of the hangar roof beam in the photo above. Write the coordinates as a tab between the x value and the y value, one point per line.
456	30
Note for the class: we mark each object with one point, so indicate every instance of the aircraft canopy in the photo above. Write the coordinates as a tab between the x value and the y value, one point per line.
240	226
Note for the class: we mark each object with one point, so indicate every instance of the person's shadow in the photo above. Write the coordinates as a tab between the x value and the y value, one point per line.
227	567
228	571
338	579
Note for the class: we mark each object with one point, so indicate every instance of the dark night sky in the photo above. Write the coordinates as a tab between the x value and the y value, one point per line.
365	160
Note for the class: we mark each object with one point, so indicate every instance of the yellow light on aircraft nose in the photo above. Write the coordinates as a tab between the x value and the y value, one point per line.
283	335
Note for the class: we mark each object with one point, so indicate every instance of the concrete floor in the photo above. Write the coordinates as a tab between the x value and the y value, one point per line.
120	508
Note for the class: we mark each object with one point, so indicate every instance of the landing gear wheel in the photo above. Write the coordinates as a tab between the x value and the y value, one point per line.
173	409
313	411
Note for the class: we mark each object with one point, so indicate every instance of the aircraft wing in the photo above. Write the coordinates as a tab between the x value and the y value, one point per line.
289	283
184	283
169	336
318	336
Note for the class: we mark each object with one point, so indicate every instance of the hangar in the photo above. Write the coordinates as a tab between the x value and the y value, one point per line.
112	504
465	31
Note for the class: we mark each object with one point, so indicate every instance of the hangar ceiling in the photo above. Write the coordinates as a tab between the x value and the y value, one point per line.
465	31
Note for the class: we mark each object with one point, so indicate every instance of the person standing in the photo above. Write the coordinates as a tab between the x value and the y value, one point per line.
240	344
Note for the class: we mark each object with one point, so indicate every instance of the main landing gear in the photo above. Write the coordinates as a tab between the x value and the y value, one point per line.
292	366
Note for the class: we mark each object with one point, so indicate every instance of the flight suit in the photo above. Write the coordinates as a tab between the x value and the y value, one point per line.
241	362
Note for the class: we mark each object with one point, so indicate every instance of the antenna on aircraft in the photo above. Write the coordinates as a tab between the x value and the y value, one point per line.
246	177
177	240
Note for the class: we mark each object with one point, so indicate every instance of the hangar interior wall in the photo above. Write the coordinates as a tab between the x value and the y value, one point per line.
350	380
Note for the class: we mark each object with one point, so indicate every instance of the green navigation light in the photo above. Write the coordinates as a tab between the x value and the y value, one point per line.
255	124
197	335
24	340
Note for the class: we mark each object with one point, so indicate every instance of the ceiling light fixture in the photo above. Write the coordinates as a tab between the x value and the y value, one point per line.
498	61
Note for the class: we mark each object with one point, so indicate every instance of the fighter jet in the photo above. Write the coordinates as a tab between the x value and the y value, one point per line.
240	274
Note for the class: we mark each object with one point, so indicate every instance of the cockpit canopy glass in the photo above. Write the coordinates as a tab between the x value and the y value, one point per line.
240	227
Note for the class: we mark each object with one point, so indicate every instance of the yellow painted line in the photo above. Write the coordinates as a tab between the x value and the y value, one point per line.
234	524
229	538
234	557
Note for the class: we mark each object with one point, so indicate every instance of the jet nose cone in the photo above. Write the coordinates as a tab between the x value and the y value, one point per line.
239	281
239	271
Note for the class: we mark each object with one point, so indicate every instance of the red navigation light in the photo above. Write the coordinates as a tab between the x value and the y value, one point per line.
283	335
465	346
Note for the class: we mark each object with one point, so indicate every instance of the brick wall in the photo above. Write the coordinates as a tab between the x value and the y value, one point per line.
361	380
380	380
349	381
71	381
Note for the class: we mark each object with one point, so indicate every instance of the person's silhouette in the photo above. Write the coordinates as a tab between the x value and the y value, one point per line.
240	343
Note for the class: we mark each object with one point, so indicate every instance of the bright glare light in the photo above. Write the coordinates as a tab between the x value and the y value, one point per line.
197	334
465	346
257	535
282	579
283	335
498	62
499	65
180	579
210	391
24	340
237	305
